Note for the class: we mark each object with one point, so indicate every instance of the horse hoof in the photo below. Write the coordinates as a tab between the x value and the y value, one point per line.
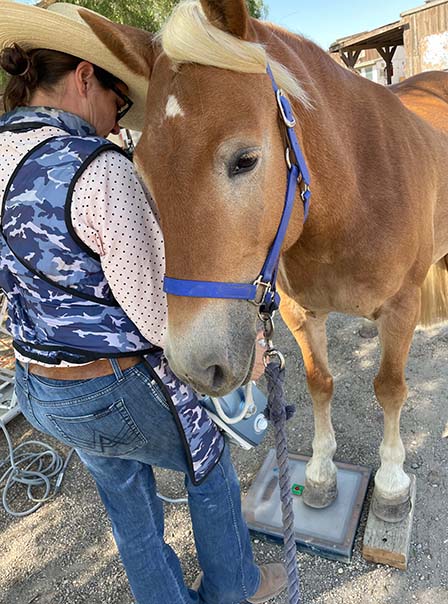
319	496
391	510
368	330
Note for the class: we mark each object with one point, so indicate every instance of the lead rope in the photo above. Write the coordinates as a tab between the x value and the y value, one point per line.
278	413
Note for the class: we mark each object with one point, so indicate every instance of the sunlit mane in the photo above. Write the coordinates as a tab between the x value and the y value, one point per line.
188	37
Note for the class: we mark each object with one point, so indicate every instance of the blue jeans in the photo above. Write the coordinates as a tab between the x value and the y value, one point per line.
121	425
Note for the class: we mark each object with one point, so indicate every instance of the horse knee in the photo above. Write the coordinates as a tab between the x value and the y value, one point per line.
320	385
391	391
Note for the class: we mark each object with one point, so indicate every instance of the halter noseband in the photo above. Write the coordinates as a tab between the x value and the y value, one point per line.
262	292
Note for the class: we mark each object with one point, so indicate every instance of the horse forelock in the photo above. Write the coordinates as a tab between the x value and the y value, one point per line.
189	37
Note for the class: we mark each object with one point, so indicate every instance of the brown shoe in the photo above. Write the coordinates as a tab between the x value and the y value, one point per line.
274	580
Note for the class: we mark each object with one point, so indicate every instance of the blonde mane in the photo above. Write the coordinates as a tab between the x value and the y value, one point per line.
189	37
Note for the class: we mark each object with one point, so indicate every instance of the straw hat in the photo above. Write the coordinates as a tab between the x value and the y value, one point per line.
60	27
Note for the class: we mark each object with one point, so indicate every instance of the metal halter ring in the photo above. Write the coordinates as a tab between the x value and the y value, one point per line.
289	164
271	354
288	158
265	286
304	190
289	123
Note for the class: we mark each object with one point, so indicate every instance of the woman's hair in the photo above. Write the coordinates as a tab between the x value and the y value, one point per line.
39	68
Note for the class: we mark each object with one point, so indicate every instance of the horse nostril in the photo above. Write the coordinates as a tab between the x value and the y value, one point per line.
217	377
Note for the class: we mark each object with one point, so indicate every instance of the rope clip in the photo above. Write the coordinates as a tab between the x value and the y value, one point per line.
272	354
268	334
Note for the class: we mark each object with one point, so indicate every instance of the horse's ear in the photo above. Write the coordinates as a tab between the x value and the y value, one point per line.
231	16
131	45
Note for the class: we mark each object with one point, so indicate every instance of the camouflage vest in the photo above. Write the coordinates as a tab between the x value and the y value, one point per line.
60	306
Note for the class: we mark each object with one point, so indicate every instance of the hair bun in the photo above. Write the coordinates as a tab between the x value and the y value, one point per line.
15	61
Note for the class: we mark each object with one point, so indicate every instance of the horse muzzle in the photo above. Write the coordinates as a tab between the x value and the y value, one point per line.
215	352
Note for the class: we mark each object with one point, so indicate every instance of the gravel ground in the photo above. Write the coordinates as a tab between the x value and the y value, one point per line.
65	554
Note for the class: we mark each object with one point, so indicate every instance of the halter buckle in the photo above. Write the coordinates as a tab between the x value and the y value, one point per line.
304	189
262	287
289	123
289	164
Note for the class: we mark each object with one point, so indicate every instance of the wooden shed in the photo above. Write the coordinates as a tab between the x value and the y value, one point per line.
422	31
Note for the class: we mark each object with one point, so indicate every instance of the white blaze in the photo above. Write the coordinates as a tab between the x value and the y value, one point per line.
173	108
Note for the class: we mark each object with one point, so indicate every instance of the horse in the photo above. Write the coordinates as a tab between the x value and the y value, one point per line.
375	243
426	94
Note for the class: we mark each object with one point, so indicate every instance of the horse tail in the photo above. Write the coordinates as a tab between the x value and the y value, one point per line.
434	300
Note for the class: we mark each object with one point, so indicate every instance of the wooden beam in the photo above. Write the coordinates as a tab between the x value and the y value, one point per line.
388	34
387	53
350	57
388	542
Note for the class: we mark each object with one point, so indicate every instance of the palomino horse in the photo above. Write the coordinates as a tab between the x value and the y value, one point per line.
212	153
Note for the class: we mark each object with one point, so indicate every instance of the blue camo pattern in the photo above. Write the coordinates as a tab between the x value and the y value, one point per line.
41	315
205	441
39	312
48	116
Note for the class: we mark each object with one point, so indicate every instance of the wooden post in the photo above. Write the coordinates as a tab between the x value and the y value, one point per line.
350	57
387	53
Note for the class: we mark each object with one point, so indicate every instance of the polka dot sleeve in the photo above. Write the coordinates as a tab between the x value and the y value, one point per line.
111	215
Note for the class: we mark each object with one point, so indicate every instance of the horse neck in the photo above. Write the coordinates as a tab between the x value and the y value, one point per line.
347	139
339	98
320	128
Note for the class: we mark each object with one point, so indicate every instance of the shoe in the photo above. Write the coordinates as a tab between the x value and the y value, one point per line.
272	582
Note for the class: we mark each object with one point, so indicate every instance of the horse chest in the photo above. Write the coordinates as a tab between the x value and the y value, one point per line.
329	288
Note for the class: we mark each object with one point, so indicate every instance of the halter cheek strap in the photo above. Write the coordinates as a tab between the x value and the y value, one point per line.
262	292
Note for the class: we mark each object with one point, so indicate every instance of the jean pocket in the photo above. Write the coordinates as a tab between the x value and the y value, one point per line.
110	432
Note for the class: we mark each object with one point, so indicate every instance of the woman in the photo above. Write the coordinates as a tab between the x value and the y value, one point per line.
82	266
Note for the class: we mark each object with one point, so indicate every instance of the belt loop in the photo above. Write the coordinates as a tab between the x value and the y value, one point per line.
26	383
117	369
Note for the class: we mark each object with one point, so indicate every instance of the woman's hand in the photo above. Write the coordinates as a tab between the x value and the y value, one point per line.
260	347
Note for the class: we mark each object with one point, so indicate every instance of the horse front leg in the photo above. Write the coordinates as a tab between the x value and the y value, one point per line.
309	331
396	324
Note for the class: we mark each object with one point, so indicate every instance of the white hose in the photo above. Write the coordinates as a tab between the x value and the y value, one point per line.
19	472
249	402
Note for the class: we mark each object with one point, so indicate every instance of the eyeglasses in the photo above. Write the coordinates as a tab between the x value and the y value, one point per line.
128	103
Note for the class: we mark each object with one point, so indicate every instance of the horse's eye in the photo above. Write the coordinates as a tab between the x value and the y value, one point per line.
244	163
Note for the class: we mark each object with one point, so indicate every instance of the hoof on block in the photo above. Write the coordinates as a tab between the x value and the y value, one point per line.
318	496
391	510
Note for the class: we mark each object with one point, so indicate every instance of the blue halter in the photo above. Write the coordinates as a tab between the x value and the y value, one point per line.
262	291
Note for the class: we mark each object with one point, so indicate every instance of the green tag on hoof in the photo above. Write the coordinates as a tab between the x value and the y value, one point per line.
297	489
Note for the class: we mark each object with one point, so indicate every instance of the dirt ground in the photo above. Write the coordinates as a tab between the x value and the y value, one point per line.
64	553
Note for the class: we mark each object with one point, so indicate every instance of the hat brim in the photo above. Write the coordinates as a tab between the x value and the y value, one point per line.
34	27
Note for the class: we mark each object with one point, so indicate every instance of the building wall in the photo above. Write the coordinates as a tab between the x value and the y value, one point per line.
426	38
425	45
370	65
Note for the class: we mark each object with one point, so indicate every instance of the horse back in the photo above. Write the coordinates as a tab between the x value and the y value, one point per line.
426	94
